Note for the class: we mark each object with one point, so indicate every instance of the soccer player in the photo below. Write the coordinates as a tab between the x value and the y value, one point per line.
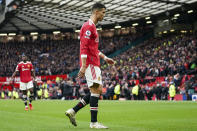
25	68
90	66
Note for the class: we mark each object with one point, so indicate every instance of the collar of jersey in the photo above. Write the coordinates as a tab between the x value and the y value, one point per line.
24	62
91	21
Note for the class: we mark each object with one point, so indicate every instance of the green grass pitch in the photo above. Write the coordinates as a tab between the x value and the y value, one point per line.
48	115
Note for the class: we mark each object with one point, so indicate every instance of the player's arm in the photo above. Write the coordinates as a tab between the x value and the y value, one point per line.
83	67
83	56
14	74
107	59
84	43
33	73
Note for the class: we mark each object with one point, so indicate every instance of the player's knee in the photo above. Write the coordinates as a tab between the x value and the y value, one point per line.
96	89
100	91
24	97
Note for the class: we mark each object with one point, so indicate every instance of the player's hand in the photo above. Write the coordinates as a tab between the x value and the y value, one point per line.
81	72
109	60
35	80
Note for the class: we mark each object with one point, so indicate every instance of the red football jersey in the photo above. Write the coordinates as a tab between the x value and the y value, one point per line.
89	40
25	71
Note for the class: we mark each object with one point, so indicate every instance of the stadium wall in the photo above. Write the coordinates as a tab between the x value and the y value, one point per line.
6	80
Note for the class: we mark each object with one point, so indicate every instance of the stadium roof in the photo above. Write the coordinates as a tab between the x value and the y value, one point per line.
36	15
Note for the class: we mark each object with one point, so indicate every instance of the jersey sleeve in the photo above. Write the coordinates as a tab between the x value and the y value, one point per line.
31	67
87	34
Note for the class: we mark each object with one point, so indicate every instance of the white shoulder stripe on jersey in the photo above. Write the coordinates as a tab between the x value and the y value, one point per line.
83	56
91	22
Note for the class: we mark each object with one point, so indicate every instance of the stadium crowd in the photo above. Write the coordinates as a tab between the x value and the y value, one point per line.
52	57
47	56
157	57
171	58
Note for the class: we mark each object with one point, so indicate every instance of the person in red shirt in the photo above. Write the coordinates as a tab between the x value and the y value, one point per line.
26	70
90	66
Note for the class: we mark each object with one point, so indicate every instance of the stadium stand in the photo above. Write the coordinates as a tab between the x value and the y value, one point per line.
52	57
151	64
153	61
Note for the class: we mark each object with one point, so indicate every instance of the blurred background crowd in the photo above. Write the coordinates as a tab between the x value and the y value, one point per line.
144	71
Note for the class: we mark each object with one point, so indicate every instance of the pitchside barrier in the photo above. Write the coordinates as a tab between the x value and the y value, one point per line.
8	84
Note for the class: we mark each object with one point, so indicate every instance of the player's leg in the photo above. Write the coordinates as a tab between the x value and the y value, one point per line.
70	113
23	88
96	91
24	97
31	97
86	99
95	94
83	102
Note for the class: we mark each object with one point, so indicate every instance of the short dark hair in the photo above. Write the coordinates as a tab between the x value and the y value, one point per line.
98	6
